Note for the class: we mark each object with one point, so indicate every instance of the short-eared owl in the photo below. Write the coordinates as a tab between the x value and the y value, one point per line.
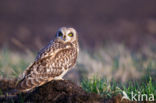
53	61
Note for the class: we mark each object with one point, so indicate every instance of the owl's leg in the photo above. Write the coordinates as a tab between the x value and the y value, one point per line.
58	78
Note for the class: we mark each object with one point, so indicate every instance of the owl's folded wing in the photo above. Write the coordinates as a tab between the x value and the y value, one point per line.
50	49
47	69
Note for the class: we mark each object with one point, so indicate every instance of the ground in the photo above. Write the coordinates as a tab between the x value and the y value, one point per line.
61	91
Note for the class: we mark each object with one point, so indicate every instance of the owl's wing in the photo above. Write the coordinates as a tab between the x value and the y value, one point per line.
50	49
47	69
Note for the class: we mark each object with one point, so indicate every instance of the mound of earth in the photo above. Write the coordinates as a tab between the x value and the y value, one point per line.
61	91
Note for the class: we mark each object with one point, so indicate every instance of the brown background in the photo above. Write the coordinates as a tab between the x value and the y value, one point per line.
33	23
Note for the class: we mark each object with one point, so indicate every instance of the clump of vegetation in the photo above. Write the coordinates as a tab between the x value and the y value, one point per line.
145	86
108	89
13	63
101	87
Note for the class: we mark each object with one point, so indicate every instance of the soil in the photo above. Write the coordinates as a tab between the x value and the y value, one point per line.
61	91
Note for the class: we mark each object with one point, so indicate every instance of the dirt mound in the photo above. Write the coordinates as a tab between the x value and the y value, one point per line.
61	91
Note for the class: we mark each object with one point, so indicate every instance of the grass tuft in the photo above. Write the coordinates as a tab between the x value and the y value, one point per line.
101	87
109	89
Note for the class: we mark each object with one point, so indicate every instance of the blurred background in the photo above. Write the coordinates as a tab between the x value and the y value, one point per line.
117	37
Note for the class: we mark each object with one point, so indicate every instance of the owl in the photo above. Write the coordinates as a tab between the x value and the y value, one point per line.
52	62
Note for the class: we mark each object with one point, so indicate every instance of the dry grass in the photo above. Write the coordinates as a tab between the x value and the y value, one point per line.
13	63
110	61
117	61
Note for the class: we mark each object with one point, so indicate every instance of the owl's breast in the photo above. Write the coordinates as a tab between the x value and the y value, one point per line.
64	59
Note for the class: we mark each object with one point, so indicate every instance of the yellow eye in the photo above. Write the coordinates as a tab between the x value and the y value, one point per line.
70	34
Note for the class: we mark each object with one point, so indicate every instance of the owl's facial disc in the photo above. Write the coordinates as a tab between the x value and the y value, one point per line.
67	34
61	35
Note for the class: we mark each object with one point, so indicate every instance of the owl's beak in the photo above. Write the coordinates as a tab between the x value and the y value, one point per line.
64	37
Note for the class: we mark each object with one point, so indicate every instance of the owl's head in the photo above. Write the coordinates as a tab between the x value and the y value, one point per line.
67	34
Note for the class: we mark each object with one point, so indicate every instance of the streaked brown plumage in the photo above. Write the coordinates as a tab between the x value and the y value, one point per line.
52	62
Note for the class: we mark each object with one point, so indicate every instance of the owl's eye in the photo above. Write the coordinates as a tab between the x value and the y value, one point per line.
70	34
60	34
